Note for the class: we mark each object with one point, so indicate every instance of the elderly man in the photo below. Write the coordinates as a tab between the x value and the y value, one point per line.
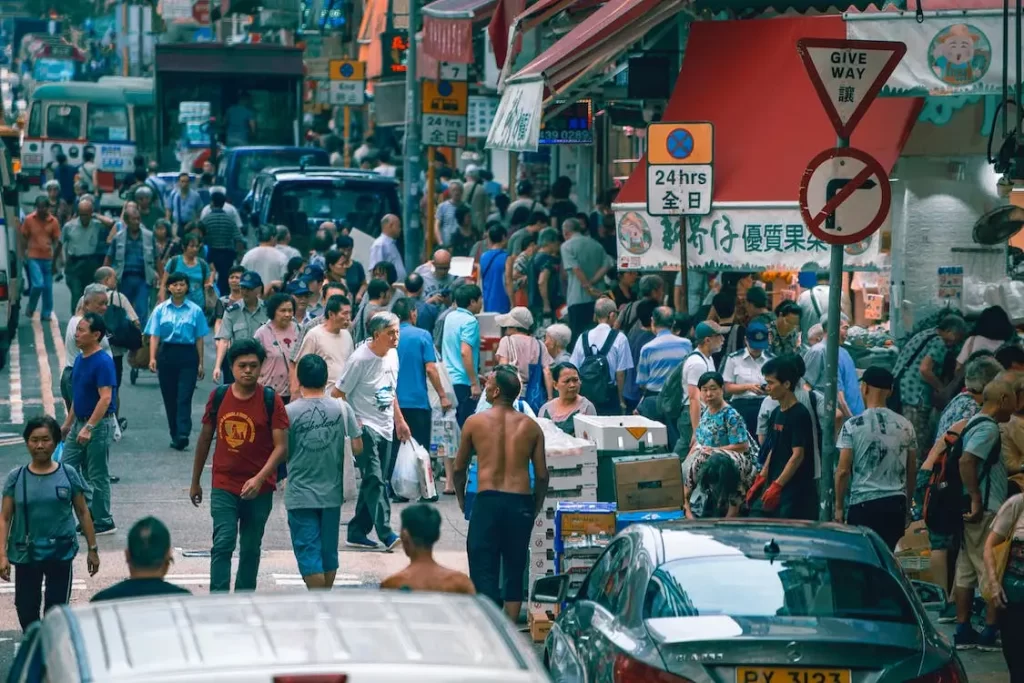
284	243
82	238
94	300
557	338
132	255
446	224
265	259
385	247
149	212
476	197
437	276
613	345
851	401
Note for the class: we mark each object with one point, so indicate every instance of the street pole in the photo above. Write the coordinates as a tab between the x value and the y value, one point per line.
414	238
346	131
829	455
431	200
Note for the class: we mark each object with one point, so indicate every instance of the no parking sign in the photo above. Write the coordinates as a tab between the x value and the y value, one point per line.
680	168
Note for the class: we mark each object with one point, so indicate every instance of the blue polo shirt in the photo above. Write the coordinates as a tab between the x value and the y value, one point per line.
460	326
415	350
659	357
177	324
90	373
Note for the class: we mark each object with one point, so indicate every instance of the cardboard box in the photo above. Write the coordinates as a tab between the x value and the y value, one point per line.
584	518
624	519
540	625
915	538
648	482
584	476
621	432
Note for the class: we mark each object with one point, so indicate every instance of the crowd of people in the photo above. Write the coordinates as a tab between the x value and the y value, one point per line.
317	355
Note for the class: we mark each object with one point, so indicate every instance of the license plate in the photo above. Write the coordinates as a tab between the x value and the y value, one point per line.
791	675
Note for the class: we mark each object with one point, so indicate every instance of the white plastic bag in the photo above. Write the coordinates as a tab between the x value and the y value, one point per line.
426	475
446	384
444	434
405	480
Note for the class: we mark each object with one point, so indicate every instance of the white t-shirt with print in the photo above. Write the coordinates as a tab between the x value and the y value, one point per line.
880	440
369	383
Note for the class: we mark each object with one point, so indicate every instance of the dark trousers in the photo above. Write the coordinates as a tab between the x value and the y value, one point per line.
419	421
66	388
1011	629
28	588
373	509
222	261
885	516
467	404
748	408
498	543
581	319
80	272
177	368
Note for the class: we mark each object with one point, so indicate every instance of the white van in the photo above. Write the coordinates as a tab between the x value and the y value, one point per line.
344	636
10	261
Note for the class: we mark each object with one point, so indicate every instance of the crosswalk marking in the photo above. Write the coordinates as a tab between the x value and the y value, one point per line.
14	363
189	579
45	377
76	585
296	580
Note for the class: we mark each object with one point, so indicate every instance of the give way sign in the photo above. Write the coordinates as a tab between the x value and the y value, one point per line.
844	196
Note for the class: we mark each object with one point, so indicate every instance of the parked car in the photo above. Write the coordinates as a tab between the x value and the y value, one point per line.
345	636
749	601
304	197
239	166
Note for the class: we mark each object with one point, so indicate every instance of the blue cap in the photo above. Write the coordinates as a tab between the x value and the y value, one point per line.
297	288
251	280
313	273
757	336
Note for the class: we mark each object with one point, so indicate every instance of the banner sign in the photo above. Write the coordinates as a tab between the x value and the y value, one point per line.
738	238
516	125
952	55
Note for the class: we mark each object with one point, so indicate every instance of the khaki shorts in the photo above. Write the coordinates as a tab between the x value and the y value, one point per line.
970	563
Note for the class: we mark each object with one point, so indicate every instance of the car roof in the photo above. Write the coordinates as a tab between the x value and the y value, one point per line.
169	634
94	93
326	173
253	149
689	539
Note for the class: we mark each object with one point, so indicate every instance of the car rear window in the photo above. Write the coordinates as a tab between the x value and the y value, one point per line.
741	586
251	164
359	205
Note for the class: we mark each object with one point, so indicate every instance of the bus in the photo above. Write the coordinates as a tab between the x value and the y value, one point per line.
115	119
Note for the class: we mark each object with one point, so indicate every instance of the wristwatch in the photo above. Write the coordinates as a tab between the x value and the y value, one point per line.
89	426
94	549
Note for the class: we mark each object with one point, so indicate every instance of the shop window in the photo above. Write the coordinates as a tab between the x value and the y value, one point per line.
107	123
64	122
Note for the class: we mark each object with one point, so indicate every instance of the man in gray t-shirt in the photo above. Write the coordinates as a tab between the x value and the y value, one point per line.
585	262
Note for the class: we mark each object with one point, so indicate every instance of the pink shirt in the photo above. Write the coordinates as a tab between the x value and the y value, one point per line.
276	371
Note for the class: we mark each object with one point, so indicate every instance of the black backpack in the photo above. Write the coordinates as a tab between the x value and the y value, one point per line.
945	501
218	397
595	372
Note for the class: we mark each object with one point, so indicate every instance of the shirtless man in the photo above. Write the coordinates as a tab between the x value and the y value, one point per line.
505	442
421	527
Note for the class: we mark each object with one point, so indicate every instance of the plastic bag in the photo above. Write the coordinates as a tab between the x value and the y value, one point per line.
444	434
58	452
426	475
446	384
405	480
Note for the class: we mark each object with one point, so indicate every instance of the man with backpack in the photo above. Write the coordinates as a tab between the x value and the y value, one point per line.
602	355
251	426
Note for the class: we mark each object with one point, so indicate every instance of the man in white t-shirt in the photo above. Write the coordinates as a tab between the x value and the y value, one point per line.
620	358
709	339
877	462
369	383
329	340
265	259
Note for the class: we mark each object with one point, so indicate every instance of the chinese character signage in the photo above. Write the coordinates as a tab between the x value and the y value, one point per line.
482	110
743	239
516	126
679	170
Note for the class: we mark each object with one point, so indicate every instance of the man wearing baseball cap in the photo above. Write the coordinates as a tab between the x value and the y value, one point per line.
877	462
709	339
241	320
744	381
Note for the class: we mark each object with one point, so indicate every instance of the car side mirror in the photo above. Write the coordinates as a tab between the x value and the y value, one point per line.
931	594
550	589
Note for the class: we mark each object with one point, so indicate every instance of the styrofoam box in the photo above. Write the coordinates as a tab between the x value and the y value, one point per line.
540	565
542	541
571	460
543	524
578	494
621	432
561	480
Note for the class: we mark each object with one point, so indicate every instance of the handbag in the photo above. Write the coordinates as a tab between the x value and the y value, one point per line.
123	332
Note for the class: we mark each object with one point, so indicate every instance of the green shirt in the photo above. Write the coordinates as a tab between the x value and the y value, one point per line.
240	323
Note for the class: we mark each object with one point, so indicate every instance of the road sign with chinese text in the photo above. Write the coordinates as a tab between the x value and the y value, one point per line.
449	98
440	130
348	93
346	70
848	75
680	170
845	196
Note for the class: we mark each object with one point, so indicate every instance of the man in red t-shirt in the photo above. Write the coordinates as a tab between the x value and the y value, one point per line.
250	444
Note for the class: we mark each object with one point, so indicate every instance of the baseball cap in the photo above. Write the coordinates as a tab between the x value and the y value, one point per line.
251	280
756	296
878	377
519	317
706	329
313	273
757	336
297	288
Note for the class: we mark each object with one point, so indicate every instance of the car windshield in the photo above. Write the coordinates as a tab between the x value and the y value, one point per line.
740	586
250	164
360	206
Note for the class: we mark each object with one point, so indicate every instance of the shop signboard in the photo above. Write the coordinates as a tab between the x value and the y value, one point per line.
951	284
680	173
737	238
848	74
516	126
845	196
573	125
482	110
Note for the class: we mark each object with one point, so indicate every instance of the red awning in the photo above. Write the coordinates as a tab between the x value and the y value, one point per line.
597	40
448	28
510	18
747	79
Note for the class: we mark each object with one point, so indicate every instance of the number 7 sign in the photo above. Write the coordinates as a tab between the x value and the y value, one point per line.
454	72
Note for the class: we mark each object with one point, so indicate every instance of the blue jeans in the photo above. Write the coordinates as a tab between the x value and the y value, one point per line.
314	534
136	289
40	275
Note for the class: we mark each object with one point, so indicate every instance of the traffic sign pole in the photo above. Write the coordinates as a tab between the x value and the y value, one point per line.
411	222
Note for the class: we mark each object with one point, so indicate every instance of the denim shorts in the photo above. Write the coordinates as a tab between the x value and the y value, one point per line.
314	534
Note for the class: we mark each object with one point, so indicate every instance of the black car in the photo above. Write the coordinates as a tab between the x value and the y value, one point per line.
302	198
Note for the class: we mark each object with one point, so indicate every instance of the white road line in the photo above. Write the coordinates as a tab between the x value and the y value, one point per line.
14	360
45	377
58	341
76	585
296	580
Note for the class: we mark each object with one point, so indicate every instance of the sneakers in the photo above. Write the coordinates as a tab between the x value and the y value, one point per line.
966	638
988	640
105	529
391	542
361	542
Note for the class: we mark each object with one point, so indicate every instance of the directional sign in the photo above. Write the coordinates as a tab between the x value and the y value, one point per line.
346	70
445	97
844	196
347	93
679	168
848	74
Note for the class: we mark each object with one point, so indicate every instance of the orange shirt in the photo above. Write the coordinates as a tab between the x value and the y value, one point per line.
41	235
